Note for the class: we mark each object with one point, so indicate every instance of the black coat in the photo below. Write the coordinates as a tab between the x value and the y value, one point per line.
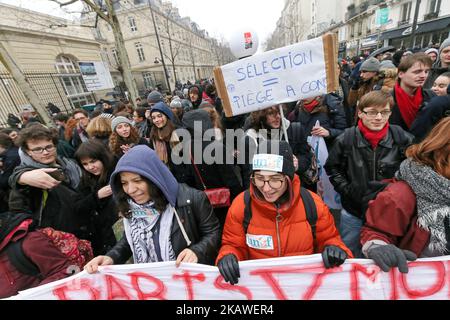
354	170
437	108
58	211
330	114
10	159
56	207
199	221
102	216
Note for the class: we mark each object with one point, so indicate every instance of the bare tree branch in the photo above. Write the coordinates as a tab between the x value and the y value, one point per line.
98	10
62	4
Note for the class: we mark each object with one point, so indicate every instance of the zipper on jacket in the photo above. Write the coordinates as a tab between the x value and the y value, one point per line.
374	164
278	218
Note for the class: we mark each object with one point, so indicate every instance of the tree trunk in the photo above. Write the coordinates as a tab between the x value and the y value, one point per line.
123	55
23	84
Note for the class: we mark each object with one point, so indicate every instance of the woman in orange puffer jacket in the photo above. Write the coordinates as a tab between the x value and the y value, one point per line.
278	226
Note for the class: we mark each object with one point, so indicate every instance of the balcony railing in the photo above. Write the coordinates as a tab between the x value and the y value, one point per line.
375	2
363	6
403	23
430	15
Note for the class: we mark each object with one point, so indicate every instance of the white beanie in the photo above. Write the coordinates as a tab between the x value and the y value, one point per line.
432	50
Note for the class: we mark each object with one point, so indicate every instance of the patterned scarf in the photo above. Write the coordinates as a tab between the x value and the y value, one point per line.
143	219
433	200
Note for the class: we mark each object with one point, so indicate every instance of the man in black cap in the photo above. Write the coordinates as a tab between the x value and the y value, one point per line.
276	217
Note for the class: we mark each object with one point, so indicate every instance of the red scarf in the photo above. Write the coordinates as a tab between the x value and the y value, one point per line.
310	106
408	105
374	137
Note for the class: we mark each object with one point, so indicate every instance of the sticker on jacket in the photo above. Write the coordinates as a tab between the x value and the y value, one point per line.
260	242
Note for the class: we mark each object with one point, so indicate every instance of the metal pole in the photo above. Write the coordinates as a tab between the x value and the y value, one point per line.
414	25
283	124
159	45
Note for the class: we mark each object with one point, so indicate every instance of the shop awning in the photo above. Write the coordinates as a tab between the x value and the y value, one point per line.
423	27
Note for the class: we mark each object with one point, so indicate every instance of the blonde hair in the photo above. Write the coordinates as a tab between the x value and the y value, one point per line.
99	127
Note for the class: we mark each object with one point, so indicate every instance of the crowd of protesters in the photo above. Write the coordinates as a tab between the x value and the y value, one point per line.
387	133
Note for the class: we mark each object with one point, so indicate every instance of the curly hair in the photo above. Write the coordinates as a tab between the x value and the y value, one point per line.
434	150
156	195
115	141
36	132
259	118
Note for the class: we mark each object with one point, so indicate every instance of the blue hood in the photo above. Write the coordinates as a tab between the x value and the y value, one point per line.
144	161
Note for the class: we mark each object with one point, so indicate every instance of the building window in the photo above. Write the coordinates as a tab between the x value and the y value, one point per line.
140	51
132	23
432	6
406	12
73	82
148	82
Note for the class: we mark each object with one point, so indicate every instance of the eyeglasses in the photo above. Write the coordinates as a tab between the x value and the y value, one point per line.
274	183
48	148
374	114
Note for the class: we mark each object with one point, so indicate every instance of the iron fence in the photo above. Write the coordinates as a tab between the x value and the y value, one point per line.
47	86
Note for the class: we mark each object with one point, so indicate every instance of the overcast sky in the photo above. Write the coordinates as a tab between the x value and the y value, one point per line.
218	17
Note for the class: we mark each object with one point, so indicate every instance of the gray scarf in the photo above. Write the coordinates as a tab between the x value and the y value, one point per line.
433	200
143	219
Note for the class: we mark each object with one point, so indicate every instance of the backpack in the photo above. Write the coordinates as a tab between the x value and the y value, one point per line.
308	202
79	252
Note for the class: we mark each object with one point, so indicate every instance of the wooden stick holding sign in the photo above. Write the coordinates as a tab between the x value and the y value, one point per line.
302	70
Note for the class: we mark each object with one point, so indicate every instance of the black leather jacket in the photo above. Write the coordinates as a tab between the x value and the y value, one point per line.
199	221
355	170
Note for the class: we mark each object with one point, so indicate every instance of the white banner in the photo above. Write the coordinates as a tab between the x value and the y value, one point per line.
96	75
324	187
282	75
293	278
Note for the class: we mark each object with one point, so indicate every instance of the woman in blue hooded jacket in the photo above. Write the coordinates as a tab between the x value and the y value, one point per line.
163	220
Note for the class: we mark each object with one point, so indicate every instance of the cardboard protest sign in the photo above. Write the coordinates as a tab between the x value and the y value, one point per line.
302	70
289	278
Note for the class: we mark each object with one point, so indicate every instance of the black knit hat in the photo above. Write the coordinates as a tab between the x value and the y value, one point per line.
274	155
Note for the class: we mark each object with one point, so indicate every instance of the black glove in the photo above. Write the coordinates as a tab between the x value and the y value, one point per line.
388	256
333	256
229	268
